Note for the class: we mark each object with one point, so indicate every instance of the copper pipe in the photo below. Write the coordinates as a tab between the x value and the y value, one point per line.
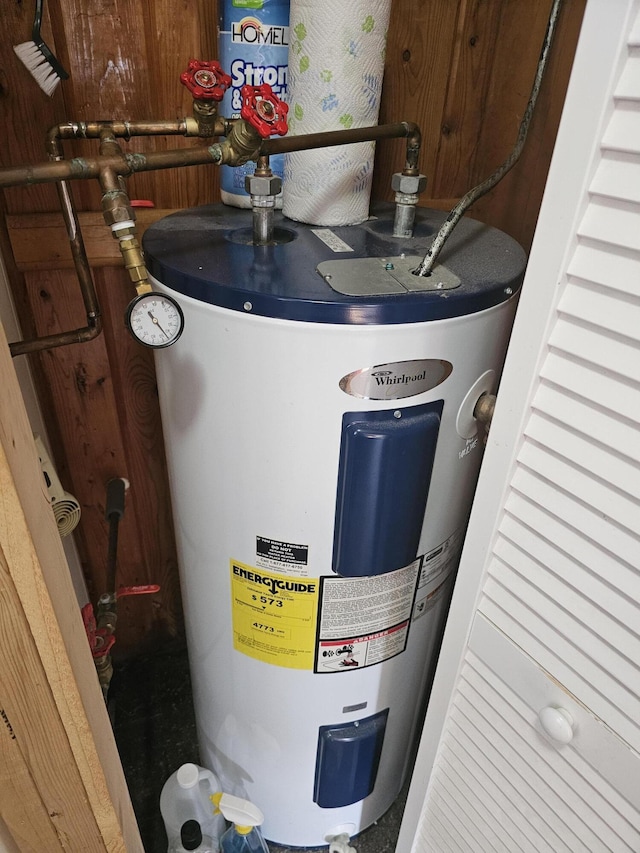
129	129
79	254
111	179
60	339
122	129
83	272
90	167
306	142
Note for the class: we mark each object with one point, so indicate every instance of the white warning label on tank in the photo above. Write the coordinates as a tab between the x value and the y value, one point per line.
331	239
438	565
364	620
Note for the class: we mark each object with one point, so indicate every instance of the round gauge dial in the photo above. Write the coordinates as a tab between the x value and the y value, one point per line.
155	320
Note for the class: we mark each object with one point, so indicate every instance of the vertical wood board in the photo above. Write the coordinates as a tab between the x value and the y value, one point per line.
49	688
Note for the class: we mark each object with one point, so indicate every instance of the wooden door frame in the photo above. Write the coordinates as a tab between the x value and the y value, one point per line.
62	783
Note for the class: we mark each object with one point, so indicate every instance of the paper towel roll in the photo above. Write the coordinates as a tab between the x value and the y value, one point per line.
336	64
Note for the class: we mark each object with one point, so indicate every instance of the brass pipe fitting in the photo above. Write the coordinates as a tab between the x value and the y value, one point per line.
483	412
263	168
120	216
104	669
241	145
116	207
414	143
205	113
133	259
106	620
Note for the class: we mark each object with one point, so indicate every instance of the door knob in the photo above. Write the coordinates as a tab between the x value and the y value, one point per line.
557	724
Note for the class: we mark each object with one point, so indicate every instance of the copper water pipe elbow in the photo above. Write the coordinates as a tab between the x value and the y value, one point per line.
85	280
60	339
414	142
83	273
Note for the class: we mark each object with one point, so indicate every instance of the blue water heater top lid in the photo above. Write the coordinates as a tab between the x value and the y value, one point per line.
356	274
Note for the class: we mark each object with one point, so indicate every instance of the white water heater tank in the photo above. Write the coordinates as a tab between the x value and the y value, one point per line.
322	451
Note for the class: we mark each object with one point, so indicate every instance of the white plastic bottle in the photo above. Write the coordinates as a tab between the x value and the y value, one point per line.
186	795
245	835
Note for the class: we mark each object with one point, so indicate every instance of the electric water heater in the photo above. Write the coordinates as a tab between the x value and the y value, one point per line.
323	454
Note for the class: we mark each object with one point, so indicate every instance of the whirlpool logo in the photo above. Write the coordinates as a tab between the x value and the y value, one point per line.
386	377
396	380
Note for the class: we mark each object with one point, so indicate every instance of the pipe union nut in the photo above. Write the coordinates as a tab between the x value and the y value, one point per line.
117	214
406	198
408	184
256	185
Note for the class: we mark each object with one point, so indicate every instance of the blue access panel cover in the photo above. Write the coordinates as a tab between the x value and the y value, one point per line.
347	761
386	459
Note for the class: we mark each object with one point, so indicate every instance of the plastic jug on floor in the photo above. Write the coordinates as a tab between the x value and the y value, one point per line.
186	796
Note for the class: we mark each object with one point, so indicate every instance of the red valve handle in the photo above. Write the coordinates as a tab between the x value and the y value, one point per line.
144	589
264	111
100	640
205	80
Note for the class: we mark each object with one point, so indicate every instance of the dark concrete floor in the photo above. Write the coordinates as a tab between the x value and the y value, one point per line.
152	713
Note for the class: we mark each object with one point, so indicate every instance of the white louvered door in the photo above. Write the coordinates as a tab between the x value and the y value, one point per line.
520	790
553	550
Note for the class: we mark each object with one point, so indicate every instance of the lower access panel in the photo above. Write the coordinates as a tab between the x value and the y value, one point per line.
347	761
386	459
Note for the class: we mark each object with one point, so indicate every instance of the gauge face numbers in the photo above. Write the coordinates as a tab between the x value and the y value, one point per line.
155	320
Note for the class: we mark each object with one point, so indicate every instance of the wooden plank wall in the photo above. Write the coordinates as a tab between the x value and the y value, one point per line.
462	69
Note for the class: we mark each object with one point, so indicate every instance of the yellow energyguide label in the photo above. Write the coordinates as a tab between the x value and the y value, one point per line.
274	616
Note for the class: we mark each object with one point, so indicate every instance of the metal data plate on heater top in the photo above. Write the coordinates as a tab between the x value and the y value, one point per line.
380	276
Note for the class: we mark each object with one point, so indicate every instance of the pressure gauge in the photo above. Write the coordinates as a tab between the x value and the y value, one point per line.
155	320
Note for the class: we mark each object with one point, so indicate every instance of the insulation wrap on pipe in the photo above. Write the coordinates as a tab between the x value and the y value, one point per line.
336	65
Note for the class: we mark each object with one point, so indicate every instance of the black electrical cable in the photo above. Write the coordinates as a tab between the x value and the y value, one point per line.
428	262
